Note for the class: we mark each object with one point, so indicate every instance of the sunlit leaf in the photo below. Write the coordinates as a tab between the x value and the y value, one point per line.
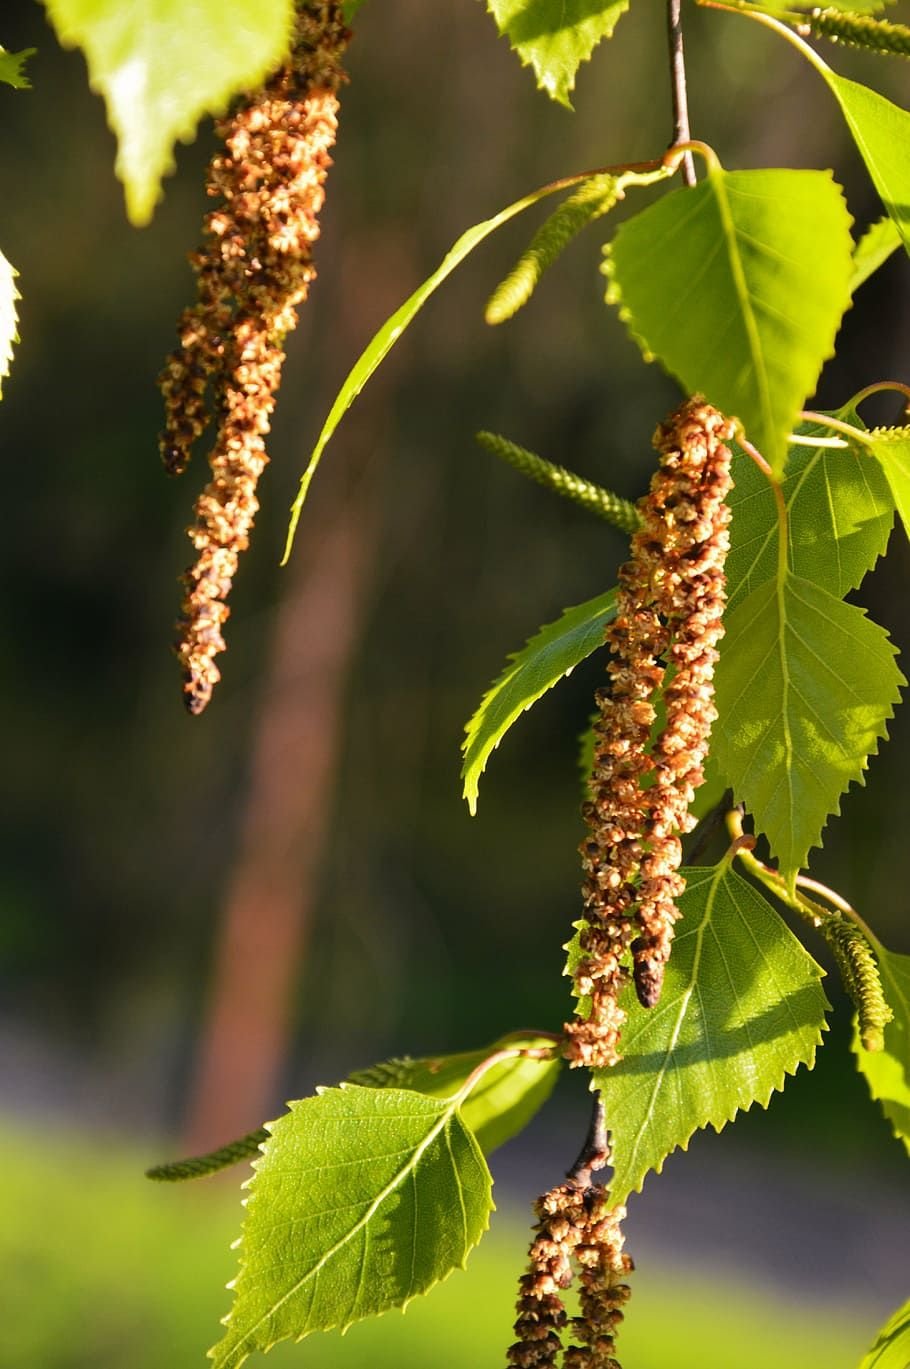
556	36
9	319
853	6
12	68
162	66
891	447
501	1103
551	654
737	286
892	1345
804	688
887	1072
880	240
363	1199
742	1007
382	342
881	131
839	517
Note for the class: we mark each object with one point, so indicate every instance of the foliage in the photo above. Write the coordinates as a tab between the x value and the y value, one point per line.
160	74
556	36
892	1346
383	1192
550	655
738	287
9	319
801	720
367	1195
12	68
891	446
839	518
887	1072
741	1009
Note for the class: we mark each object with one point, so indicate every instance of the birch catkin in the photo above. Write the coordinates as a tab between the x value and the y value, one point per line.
665	633
253	269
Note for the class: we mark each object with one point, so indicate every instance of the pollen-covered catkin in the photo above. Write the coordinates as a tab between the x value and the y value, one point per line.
687	518
576	1229
667	625
604	1291
253	269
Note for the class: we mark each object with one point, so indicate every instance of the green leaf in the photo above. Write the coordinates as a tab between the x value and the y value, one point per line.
804	688
892	1346
162	66
891	447
501	1103
854	6
839	517
363	1199
887	1072
738	286
548	656
556	36
590	201
8	317
12	66
880	240
382	342
742	1007
881	131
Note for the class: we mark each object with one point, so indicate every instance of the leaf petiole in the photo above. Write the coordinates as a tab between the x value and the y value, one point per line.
497	1058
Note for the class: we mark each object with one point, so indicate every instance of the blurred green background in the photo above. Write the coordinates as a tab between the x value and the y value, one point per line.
202	917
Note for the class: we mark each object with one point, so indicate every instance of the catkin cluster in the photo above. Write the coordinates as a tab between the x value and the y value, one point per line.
576	1229
665	633
253	269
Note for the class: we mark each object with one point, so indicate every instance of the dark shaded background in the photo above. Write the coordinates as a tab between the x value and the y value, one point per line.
419	929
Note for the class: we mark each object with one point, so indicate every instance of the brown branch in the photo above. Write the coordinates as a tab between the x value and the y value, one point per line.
681	133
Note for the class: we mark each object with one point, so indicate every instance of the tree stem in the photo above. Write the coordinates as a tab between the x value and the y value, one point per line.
596	1150
681	133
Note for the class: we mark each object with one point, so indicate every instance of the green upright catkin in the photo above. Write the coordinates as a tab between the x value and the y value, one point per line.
604	503
594	198
199	1165
857	30
859	972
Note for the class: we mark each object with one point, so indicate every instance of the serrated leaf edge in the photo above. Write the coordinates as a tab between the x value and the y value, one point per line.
513	664
342	1328
549	88
883	736
141	202
718	1127
613	296
777	1086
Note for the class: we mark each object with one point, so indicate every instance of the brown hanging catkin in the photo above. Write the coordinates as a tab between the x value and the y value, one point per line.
576	1230
253	269
666	629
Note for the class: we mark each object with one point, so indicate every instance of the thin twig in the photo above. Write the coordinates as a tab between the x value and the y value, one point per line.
596	1150
681	133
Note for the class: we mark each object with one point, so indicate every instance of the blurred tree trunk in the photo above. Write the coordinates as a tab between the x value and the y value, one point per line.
296	747
271	891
